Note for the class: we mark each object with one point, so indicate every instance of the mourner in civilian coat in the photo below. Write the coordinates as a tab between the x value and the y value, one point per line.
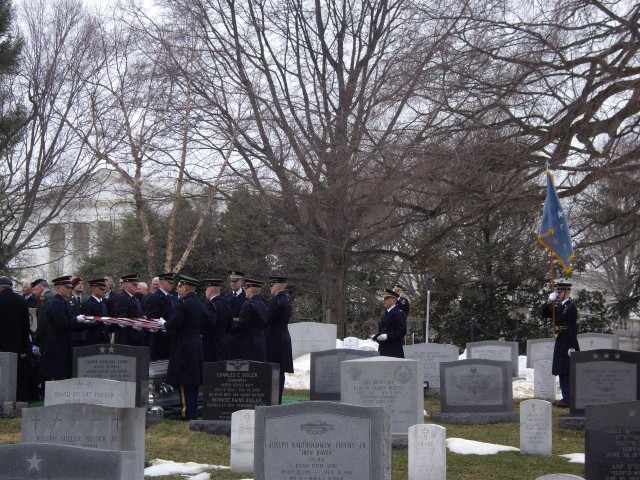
187	320
392	327
127	305
566	331
95	306
214	337
159	305
249	329
15	320
278	338
235	299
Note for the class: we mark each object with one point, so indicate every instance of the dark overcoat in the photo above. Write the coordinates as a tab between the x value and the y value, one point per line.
567	328
233	337
159	305
404	305
278	339
215	347
57	350
96	332
394	324
185	325
14	324
249	331
128	306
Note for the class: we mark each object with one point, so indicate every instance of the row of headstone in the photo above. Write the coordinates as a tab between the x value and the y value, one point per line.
542	348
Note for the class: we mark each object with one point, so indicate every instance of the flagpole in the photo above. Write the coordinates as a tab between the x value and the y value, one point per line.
553	304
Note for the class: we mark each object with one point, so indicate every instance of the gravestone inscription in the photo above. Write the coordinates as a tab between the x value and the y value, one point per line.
325	371
307	337
544	383
495	350
535	427
427	452
96	391
8	376
431	355
539	349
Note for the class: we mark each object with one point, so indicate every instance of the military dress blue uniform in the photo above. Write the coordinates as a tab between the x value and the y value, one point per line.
279	348
394	324
235	302
57	350
249	331
159	305
97	332
214	338
128	306
187	320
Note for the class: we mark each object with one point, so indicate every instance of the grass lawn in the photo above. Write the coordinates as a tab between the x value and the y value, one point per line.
172	440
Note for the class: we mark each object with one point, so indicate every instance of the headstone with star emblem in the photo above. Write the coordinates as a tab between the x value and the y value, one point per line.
612	441
598	341
242	438
8	376
325	371
535	427
495	350
91	426
307	337
307	440
427	452
237	384
44	461
393	383
115	362
92	391
603	376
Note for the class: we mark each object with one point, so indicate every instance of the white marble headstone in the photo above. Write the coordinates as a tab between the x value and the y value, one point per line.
8	376
242	438
350	342
544	383
598	341
559	476
307	337
427	452
95	391
535	427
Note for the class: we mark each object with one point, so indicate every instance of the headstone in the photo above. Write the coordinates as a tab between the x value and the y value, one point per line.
495	350
604	376
325	371
8	376
535	428
94	391
476	386
431	355
236	385
91	426
559	476
24	461
242	439
115	362
427	452
544	383
612	441
307	337
539	349
598	341
351	342
394	383
328	440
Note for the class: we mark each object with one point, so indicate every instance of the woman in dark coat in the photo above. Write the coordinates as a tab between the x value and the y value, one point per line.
392	327
278	339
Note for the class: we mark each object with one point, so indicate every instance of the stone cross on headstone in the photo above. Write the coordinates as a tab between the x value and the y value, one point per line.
427	452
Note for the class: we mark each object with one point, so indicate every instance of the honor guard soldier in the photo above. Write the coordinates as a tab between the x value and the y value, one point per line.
402	302
214	338
127	305
235	298
57	351
392	327
94	306
188	318
159	305
249	329
566	332
44	295
278	339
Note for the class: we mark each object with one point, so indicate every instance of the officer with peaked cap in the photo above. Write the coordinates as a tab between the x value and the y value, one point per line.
235	298
392	327
94	306
126	305
402	302
188	318
159	305
566	331
215	347
279	348
249	329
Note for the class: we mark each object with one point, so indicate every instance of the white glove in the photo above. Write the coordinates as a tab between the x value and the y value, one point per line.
36	351
80	318
570	351
553	296
137	327
161	321
382	337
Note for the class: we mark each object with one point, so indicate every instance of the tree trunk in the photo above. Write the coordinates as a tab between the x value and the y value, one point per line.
334	289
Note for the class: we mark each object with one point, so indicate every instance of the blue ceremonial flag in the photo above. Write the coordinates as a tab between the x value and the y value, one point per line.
554	232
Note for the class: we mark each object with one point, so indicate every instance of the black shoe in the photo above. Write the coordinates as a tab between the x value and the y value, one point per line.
562	404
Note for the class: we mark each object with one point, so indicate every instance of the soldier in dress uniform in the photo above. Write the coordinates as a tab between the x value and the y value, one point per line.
278	339
75	300
235	298
566	331
214	338
44	295
188	318
159	305
94	306
392	327
128	306
402	302
57	350
249	329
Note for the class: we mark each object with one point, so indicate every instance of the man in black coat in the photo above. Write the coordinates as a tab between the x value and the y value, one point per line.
187	320
249	329
15	320
159	305
128	306
94	306
235	298
27	294
402	301
392	327
278	338
214	337
57	350
566	331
